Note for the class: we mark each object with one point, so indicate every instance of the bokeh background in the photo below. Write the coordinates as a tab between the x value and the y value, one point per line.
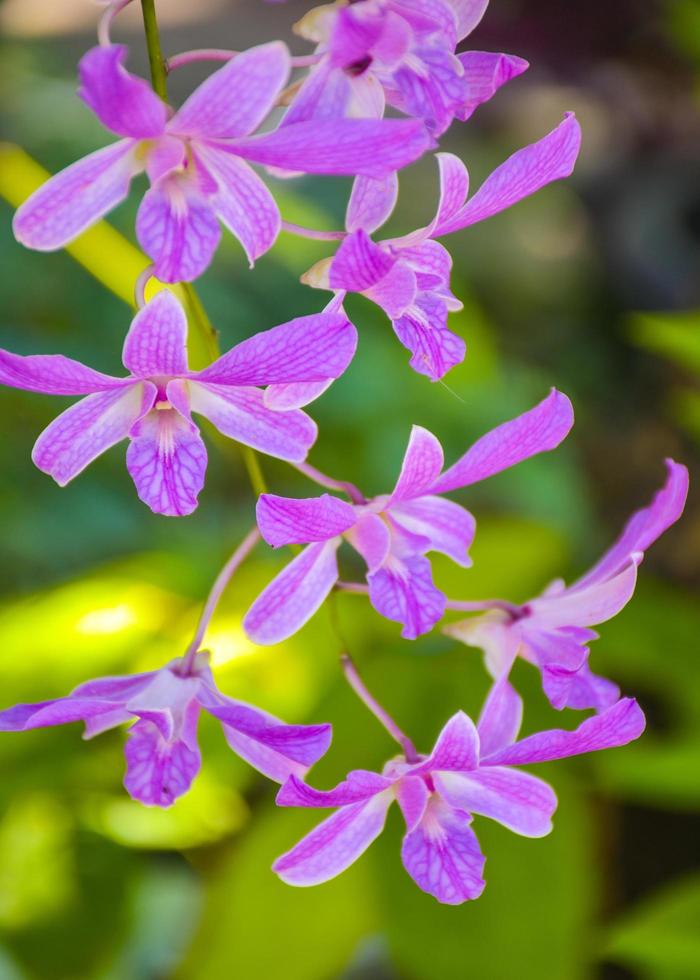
591	285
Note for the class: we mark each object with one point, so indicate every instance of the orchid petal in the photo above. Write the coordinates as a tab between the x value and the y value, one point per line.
519	801
589	605
448	527
157	339
61	711
371	202
159	771
405	593
579	689
421	466
359	264
412	795
617	725
456	747
540	429
53	374
396	291
292	598
324	94
359	785
422	329
371	537
501	717
468	14
122	102
87	429
484	73
76	198
241	414
286	520
282	397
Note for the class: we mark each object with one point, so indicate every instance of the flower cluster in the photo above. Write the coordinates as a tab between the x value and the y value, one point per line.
369	54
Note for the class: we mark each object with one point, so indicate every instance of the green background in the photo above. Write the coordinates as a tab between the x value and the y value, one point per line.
592	286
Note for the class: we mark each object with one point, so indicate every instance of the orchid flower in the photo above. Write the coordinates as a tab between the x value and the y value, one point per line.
394	531
162	755
401	52
553	631
196	160
470	771
152	406
409	277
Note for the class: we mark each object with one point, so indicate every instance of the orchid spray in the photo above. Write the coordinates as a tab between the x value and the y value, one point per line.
206	163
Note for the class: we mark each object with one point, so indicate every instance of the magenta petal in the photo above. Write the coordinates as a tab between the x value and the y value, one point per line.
423	330
122	102
405	593
359	785
335	844
443	856
468	13
645	526
158	771
359	263
367	147
241	414
167	461
291	599
289	520
87	429
371	202
324	94
519	801
371	537
61	711
177	229
282	397
421	466
157	339
448	527
588	606
533	432
396	291
234	100
308	348
525	172
578	689
53	374
412	795
484	73
76	198
617	725
456	747
500	719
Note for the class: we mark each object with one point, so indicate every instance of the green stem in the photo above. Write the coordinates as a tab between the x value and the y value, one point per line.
155	54
197	313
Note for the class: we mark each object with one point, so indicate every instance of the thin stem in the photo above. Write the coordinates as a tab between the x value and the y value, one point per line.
484	604
358	686
155	53
198	314
251	461
356	588
329	483
321	236
217	589
104	28
140	286
225	54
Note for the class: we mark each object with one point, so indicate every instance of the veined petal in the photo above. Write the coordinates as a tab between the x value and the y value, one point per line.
76	197
335	844
525	172
578	689
519	801
178	229
421	466
324	94
371	202
443	856
122	102
536	431
448	526
291	599
423	330
241	414
53	374
370	536
412	795
234	100
359	785
242	202
289	520
617	725
156	343
368	147
644	527
396	292
590	605
456	747
359	263
87	429
484	73
454	187
158	771
167	461
501	717
60	711
404	592
282	397
308	348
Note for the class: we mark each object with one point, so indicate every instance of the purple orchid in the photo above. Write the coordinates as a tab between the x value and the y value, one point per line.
553	631
401	52
392	532
162	755
409	277
468	772
152	406
196	160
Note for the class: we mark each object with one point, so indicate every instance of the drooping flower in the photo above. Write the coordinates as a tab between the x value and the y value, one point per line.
162	755
392	532
553	631
468	772
196	160
409	277
152	406
401	52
